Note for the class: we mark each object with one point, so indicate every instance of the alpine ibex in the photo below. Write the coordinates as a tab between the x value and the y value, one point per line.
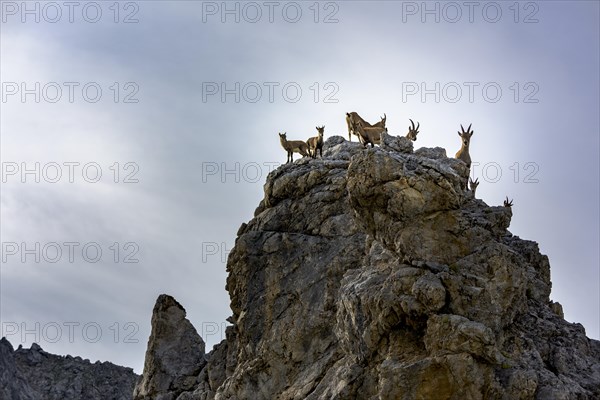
412	132
473	185
381	123
369	134
352	118
292	146
316	143
463	153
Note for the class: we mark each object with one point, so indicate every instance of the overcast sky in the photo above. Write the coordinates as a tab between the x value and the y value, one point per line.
148	129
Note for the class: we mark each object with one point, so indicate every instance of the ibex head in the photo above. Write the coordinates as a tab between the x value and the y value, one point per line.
508	203
473	185
321	130
466	136
282	136
383	119
412	131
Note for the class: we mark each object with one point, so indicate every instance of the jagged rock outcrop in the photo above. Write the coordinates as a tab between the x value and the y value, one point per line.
13	384
374	274
37	375
175	354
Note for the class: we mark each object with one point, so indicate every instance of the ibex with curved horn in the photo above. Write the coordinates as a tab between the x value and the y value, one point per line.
412	131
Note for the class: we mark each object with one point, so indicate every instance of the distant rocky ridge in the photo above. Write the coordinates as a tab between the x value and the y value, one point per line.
375	274
33	374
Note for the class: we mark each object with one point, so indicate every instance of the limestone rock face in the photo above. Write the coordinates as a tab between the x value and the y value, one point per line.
374	274
35	374
175	354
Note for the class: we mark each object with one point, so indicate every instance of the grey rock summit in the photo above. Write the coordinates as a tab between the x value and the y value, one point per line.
33	374
175	354
375	274
365	274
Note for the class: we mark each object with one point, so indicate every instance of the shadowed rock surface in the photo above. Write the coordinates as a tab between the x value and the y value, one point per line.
13	385
37	375
374	274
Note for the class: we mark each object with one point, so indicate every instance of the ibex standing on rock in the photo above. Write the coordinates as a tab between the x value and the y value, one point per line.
412	131
352	118
292	146
463	153
369	134
316	143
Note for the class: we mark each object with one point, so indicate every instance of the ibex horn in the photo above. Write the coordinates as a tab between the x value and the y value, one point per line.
413	124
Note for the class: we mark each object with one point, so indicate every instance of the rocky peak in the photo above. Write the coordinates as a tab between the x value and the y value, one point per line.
374	273
175	353
13	385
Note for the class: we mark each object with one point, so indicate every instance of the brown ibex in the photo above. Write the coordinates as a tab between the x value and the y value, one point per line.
369	134
316	143
412	132
473	185
463	153
381	123
292	146
352	118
